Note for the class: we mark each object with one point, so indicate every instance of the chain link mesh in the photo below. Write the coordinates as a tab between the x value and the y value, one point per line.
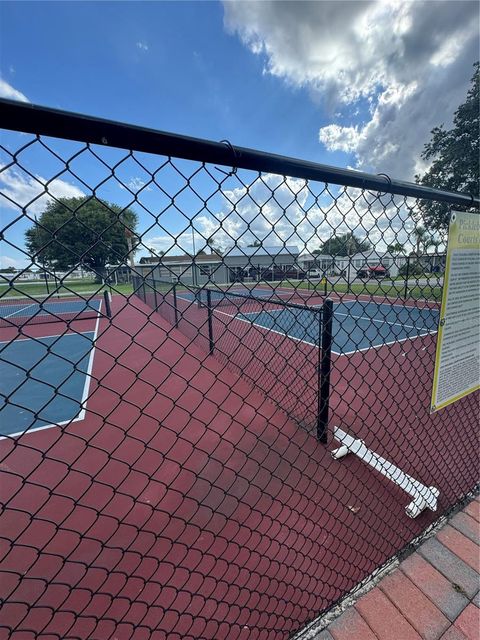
162	471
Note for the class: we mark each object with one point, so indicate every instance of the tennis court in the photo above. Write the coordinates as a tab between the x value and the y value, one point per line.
45	365
44	381
357	325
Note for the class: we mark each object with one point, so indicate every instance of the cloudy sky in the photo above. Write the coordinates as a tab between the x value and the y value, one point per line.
351	84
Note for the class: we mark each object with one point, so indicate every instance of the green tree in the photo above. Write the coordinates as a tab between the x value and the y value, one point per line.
82	231
420	234
213	246
396	247
435	243
257	243
154	253
424	240
346	244
455	158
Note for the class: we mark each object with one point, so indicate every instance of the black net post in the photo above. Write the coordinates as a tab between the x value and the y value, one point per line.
210	319
407	275
108	308
175	304
154	287
46	279
325	356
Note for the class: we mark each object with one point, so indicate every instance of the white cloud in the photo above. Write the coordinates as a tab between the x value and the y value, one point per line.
20	190
410	61
143	46
135	184
8	261
9	92
337	138
275	211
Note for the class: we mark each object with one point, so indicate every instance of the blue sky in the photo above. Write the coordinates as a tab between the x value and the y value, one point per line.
320	81
167	65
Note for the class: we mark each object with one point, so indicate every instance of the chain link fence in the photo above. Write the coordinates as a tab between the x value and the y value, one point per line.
192	336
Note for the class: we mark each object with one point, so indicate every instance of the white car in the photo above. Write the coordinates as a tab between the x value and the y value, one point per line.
314	273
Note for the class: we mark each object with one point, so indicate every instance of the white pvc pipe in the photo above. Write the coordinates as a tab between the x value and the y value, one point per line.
423	496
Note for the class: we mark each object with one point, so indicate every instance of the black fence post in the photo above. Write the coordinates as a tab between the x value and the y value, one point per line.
154	287
46	279
325	354
198	297
325	292
407	275
210	319
108	308
175	305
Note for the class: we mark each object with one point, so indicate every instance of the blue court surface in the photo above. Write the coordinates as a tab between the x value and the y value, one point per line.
43	381
31	309
357	325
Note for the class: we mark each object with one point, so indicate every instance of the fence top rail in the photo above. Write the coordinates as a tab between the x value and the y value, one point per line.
38	120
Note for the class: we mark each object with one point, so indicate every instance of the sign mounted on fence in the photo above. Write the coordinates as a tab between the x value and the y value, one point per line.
457	363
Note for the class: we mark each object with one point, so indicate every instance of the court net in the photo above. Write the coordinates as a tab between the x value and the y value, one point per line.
233	295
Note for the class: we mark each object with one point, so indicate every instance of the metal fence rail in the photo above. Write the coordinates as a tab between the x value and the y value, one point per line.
174	444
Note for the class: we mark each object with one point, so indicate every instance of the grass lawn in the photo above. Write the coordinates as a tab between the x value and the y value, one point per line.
425	292
416	293
83	287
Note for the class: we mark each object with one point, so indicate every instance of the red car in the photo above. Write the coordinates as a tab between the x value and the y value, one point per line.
373	272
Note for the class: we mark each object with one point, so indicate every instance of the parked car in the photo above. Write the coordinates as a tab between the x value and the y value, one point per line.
372	272
313	274
278	273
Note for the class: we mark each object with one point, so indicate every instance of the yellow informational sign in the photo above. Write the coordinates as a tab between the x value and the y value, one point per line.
457	363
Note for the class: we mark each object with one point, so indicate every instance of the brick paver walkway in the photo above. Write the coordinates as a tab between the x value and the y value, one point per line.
432	595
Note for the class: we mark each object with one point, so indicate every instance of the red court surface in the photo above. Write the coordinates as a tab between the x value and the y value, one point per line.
185	505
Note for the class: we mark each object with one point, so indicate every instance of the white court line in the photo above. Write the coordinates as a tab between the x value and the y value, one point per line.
398	324
386	344
86	386
385	304
382	300
337	353
19	310
347	315
285	335
55	335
